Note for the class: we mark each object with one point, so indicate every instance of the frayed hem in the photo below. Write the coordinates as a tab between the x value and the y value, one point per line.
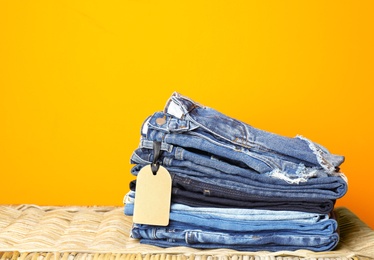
303	174
323	162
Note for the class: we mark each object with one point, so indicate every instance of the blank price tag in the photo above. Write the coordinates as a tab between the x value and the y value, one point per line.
152	197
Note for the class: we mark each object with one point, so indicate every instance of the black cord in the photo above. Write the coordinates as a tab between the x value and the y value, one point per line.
155	165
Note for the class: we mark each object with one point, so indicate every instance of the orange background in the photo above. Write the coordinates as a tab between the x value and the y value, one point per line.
77	79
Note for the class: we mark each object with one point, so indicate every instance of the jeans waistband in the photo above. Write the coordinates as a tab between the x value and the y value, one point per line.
244	135
277	164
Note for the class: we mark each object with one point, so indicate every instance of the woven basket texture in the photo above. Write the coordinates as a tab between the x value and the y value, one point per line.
79	232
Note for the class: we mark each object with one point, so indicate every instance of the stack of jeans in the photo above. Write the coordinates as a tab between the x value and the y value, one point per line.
235	186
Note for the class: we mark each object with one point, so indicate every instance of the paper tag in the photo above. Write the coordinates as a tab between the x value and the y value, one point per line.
152	197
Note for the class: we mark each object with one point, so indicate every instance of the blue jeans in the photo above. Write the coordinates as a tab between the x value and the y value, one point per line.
178	161
245	242
243	138
180	133
228	224
239	229
250	241
238	219
200	194
234	218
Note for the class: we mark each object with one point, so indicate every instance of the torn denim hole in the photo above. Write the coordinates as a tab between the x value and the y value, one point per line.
303	174
325	164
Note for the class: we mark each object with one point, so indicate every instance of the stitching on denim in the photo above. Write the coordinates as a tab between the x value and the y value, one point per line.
179	153
136	158
144	143
167	161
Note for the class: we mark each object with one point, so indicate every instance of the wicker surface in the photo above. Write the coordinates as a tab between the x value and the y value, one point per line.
46	232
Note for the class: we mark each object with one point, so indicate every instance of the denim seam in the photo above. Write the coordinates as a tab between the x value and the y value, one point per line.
242	143
207	186
167	161
265	161
178	153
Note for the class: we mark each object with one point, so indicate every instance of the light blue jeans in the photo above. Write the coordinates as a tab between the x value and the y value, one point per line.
240	229
211	124
194	127
249	241
244	242
243	219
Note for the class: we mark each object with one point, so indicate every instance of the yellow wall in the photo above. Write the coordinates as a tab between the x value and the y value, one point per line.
77	78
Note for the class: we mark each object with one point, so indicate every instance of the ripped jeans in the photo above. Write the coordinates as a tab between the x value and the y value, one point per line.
187	124
202	168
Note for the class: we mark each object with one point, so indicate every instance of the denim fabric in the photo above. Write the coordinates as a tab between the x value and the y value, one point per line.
247	179
273	243
322	188
253	223
227	131
199	238
325	228
218	134
257	231
199	194
240	219
194	200
233	214
176	132
215	195
180	133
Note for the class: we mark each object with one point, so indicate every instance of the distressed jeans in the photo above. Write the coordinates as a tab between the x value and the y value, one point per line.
194	127
197	167
215	126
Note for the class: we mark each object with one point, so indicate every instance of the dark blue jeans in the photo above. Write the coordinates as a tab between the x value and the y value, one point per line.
200	194
261	185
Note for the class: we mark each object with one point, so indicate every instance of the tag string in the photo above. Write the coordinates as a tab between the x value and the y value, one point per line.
156	153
